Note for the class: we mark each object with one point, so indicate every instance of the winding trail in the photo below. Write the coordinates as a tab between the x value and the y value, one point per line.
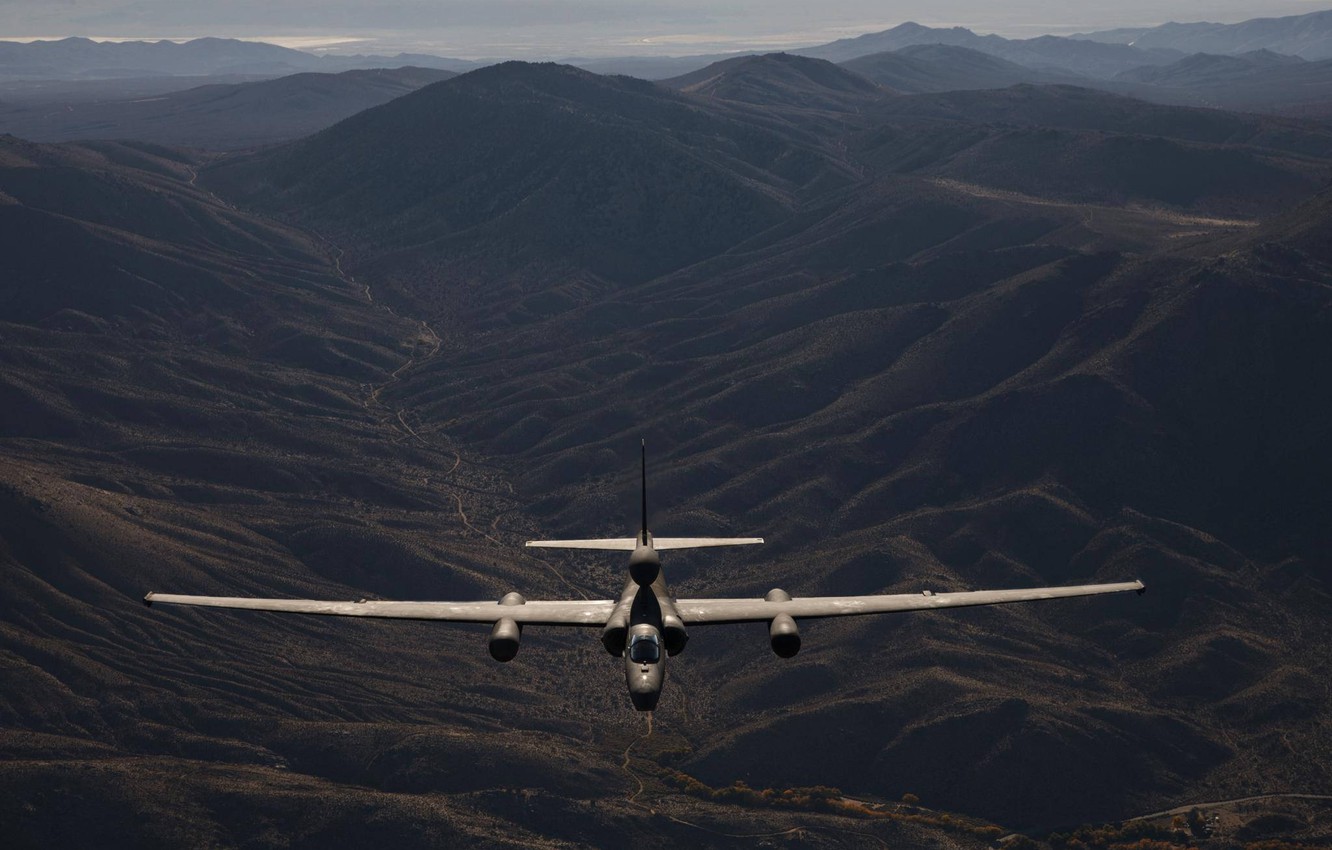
1163	215
1257	798
398	418
632	799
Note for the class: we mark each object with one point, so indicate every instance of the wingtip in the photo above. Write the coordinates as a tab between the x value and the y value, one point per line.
148	599
1142	588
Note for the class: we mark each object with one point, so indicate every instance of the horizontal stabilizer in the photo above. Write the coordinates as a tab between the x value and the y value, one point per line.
702	542
610	544
628	544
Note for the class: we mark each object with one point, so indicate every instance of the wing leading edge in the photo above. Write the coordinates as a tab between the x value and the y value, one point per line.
628	544
710	611
597	612
535	612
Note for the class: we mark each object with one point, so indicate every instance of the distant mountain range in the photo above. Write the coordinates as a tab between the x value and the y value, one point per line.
222	117
1098	55
82	58
1309	36
1043	53
1261	81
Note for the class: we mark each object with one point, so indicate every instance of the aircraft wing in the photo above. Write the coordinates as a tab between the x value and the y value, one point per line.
534	612
661	544
708	611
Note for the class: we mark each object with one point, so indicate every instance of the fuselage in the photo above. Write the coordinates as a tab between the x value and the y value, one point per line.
644	627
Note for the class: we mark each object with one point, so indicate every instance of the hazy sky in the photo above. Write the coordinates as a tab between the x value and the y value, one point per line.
558	28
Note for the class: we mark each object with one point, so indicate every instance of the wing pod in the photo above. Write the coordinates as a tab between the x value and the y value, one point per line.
504	639
784	635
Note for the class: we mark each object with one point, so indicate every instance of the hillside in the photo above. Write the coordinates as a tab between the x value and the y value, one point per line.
221	117
525	175
1038	335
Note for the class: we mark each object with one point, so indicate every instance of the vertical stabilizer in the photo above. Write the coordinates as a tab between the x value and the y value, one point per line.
643	530
644	538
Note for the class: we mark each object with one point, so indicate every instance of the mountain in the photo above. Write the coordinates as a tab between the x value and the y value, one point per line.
903	35
970	339
781	79
82	58
1046	53
539	173
940	67
222	117
1308	36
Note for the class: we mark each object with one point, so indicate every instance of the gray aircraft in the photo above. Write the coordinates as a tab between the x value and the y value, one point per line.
646	619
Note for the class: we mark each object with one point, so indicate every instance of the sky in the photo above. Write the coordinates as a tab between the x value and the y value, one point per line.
532	29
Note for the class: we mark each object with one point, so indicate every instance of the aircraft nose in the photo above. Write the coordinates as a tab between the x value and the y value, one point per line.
644	700
644	687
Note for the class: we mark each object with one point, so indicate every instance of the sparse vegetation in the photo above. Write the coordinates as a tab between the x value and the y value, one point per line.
820	798
921	348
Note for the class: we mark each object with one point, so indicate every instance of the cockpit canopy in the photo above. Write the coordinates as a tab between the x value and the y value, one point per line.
645	649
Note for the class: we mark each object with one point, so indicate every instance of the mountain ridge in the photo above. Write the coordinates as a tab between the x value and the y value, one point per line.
1308	36
923	68
1040	53
780	79
223	116
76	57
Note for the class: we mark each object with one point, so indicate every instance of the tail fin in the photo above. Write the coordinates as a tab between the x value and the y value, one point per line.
643	529
628	544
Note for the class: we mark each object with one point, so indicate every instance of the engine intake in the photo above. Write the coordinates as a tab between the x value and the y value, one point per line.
504	639
784	635
673	633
